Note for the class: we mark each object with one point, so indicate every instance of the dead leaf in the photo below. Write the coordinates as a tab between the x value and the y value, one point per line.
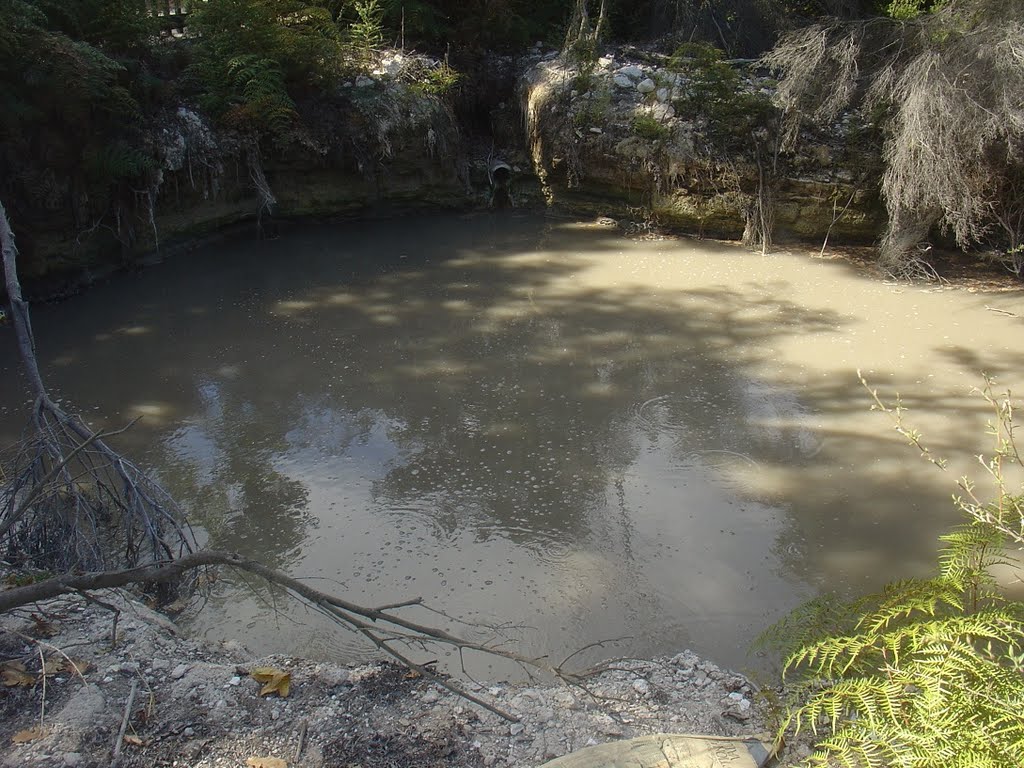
134	740
266	762
29	734
13	673
412	674
53	666
78	666
275	680
43	627
173	609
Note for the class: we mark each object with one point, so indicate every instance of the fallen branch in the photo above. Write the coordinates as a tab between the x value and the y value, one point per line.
119	743
379	625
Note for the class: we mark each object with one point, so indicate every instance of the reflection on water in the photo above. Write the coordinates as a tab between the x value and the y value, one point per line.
531	422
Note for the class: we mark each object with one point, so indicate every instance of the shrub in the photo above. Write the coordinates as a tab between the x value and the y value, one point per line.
928	672
649	127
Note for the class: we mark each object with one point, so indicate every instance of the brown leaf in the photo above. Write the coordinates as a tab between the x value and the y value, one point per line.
275	680
412	674
130	738
266	762
53	666
13	673
29	734
78	666
43	627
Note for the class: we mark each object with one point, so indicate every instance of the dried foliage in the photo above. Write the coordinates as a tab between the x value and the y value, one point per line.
946	88
69	500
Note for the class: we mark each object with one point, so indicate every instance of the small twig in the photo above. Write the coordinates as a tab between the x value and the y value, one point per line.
588	646
124	725
42	643
42	676
1001	311
302	740
402	604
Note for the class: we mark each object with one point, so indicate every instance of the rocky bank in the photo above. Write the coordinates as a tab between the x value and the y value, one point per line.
688	142
696	144
199	706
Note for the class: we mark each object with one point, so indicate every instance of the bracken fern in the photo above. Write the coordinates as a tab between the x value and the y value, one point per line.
928	672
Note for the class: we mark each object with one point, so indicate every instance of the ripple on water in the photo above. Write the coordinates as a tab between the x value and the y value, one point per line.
660	413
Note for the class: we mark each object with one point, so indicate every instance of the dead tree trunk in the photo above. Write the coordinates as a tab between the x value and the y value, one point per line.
72	501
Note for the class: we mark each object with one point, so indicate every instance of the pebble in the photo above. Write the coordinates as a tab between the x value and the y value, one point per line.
430	696
622	81
646	86
516	728
631	71
179	671
642	687
236	680
72	759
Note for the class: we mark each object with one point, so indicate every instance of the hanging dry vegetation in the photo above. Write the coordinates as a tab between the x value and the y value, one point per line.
947	88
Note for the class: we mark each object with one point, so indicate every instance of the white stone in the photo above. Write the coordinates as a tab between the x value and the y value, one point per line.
595	129
631	71
646	86
622	81
236	680
662	94
642	687
430	696
662	112
391	65
605	62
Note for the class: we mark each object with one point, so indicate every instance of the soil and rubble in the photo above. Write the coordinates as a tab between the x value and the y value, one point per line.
197	705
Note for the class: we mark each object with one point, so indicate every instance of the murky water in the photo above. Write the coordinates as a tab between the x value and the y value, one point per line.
534	422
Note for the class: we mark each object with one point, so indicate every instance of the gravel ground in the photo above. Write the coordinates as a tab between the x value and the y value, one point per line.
197	705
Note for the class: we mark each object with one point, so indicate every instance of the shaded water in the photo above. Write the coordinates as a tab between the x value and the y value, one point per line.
533	421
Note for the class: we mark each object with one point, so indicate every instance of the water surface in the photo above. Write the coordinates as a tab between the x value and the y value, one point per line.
533	422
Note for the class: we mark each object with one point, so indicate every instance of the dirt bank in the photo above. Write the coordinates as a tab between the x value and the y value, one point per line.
199	706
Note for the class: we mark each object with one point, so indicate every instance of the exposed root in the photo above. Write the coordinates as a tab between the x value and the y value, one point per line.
70	500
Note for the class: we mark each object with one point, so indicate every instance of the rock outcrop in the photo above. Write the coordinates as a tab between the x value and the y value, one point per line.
694	149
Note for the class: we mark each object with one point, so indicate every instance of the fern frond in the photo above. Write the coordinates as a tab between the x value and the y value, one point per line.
971	551
813	621
902	599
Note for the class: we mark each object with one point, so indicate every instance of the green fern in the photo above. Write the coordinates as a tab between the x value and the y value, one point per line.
928	672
